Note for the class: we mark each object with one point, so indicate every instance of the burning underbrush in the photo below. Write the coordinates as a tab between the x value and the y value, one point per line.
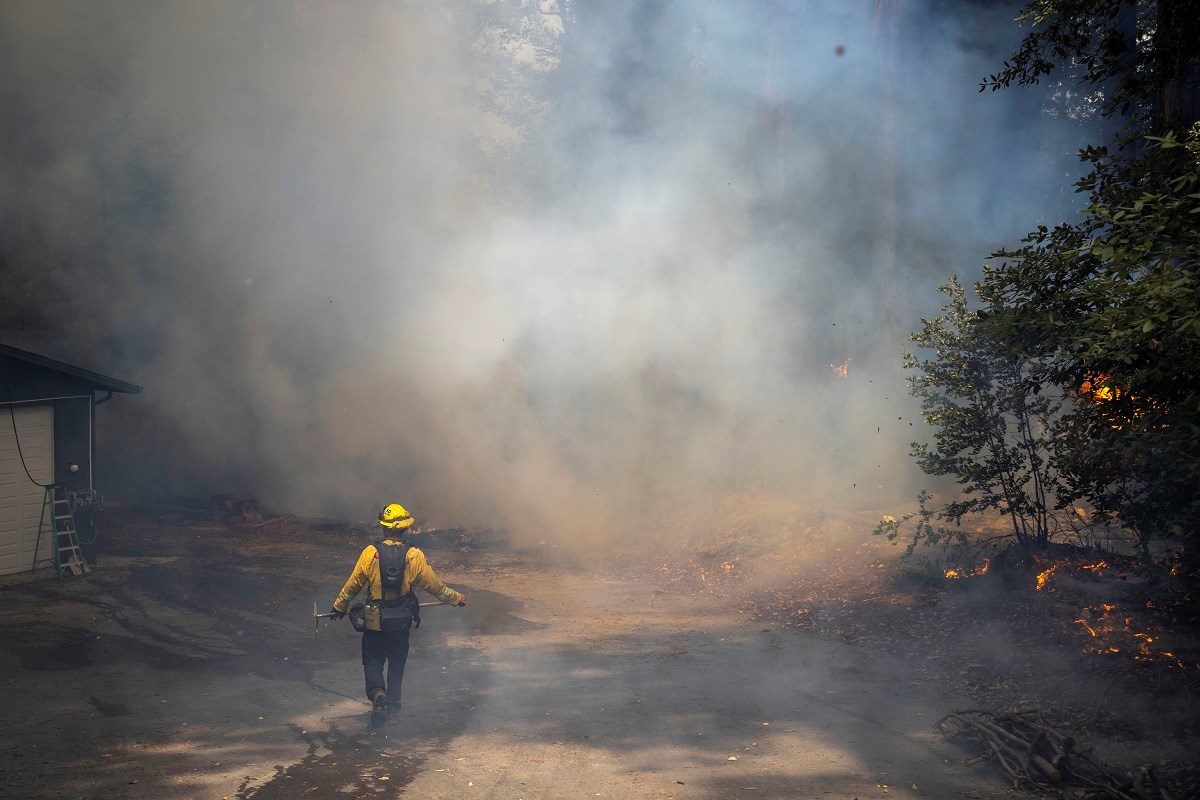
1098	643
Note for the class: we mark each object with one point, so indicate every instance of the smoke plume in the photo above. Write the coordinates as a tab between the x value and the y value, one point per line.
568	269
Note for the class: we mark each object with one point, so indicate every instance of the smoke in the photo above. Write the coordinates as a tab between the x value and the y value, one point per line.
576	276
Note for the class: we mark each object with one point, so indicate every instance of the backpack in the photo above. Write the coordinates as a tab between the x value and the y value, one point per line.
404	612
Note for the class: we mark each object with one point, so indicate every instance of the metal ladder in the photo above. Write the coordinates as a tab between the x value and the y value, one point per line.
58	518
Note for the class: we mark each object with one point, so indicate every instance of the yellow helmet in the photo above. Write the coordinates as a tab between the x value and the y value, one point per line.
394	516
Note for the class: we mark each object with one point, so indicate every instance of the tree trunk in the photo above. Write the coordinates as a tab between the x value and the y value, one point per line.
1177	41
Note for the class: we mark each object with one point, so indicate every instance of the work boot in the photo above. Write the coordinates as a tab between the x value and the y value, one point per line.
379	708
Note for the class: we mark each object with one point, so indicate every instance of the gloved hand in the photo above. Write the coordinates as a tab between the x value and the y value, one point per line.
335	614
462	600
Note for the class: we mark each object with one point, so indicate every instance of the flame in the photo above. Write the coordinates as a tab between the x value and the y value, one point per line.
982	569
1044	576
1099	565
1097	387
841	370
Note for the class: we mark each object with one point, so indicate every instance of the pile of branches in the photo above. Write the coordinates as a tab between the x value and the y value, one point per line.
1035	754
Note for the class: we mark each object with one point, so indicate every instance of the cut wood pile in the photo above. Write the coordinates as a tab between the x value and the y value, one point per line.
1037	755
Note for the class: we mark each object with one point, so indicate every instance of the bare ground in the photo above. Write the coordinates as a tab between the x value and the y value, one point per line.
186	666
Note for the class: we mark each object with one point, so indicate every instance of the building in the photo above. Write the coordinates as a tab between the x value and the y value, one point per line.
47	435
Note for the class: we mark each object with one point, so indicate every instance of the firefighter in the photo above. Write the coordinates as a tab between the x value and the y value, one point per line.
390	569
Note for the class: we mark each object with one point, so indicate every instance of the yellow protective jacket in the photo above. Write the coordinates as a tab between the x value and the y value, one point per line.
417	572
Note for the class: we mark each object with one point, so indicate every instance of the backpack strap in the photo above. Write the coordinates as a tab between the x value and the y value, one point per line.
402	611
391	557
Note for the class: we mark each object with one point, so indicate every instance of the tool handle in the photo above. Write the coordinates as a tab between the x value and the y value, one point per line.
422	605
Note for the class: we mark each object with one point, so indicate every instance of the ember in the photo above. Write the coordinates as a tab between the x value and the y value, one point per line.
1104	629
841	370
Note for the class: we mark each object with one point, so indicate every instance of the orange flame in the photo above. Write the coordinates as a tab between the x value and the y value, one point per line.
1099	565
1099	389
1044	576
841	370
1104	629
982	569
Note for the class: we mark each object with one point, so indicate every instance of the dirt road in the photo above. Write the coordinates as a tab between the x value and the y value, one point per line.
186	667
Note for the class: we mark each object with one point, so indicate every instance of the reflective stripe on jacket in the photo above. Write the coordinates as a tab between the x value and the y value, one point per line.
417	572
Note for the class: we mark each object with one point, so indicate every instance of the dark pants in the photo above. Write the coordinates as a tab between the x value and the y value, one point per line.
378	647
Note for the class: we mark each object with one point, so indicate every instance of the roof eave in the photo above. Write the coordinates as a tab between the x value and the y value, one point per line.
101	381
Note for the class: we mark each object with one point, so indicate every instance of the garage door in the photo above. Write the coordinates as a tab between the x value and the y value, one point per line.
20	500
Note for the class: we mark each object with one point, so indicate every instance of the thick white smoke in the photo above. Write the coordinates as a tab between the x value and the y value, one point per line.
566	275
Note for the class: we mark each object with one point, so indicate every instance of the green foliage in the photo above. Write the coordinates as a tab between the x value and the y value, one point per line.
991	423
1137	53
1112	300
1079	380
926	531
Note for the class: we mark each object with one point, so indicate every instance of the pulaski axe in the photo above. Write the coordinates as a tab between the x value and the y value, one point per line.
318	617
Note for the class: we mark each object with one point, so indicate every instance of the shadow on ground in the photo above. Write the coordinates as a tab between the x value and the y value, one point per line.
193	670
162	675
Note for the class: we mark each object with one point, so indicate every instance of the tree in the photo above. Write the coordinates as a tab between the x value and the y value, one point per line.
1105	306
992	427
1112	302
1142	55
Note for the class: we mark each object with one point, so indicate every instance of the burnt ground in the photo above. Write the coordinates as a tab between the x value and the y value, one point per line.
1104	646
186	666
